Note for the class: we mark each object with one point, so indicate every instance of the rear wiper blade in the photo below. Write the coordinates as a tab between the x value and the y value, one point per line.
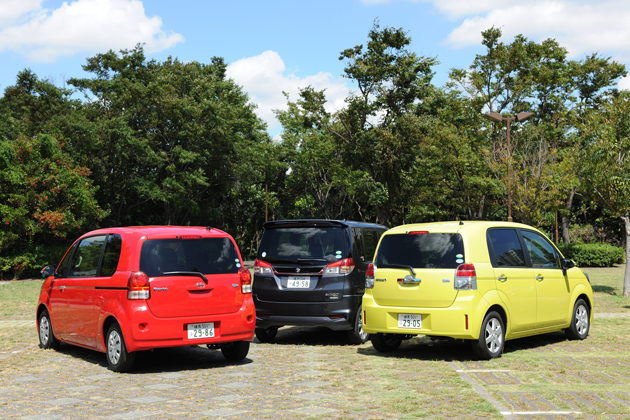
274	261
410	268
311	259
186	273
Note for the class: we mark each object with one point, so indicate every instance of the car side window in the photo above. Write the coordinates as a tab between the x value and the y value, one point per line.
541	252
111	256
357	245
507	248
86	257
62	270
370	238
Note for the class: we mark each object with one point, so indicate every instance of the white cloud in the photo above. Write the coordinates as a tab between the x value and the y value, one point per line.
12	10
81	26
583	27
263	78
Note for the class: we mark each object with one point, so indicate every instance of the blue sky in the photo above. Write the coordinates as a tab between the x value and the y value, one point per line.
275	46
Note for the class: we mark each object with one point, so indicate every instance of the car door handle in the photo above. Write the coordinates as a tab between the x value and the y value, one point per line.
540	278
502	278
62	288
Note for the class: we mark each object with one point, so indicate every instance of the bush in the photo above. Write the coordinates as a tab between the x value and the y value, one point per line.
28	263
593	255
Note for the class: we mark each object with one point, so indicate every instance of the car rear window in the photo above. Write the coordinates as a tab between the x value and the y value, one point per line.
204	255
430	250
308	244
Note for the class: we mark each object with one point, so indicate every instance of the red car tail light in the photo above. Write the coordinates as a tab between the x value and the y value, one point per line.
246	280
369	276
418	232
262	267
344	266
138	286
465	277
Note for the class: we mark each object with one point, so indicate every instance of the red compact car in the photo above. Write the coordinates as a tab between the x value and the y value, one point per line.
128	289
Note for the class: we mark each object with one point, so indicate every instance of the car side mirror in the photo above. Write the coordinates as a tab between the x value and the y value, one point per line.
567	264
47	271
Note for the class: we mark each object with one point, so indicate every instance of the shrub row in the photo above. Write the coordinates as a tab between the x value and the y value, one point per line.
593	255
27	263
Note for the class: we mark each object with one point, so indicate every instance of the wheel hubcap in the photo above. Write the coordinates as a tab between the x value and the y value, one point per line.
44	330
494	335
581	320
114	347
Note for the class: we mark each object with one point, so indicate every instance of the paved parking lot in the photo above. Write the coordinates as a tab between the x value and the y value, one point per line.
312	373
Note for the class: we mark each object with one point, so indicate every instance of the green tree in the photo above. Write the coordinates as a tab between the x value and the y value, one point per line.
45	201
528	76
375	132
603	161
165	138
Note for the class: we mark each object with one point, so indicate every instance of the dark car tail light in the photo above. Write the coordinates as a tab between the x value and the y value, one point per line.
344	266
262	267
246	280
138	286
465	277
369	276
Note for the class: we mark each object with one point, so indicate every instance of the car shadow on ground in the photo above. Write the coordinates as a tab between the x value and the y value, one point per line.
604	289
165	360
423	348
310	336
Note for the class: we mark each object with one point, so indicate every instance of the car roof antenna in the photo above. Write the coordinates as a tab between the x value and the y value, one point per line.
461	223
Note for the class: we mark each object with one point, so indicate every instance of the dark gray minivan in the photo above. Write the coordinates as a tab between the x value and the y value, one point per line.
311	272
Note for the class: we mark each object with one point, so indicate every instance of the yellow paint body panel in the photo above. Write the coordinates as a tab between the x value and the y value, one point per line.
531	300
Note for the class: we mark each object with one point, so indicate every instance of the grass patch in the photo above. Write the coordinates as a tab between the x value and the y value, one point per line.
607	283
19	298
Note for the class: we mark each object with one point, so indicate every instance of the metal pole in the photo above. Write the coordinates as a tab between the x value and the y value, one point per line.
509	155
266	201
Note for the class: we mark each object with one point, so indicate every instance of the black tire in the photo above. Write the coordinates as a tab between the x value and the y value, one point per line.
386	342
580	321
356	335
118	358
47	339
235	351
266	335
491	337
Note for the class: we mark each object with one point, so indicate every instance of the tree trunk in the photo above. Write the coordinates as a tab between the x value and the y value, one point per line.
565	219
626	277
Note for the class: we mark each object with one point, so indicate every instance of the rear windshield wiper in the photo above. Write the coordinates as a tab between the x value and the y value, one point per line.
274	261
186	273
410	268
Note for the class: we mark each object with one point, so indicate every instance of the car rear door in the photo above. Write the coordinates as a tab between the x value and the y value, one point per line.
178	289
299	255
433	257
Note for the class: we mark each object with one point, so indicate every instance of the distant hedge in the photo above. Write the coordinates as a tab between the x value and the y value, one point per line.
593	255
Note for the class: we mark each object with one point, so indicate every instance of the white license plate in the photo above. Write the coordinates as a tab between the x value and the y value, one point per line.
205	330
409	321
298	282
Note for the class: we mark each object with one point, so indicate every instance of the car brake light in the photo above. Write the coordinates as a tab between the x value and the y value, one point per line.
369	276
344	266
246	280
418	232
465	277
262	267
138	286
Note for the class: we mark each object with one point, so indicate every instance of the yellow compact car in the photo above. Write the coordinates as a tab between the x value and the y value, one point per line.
481	281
